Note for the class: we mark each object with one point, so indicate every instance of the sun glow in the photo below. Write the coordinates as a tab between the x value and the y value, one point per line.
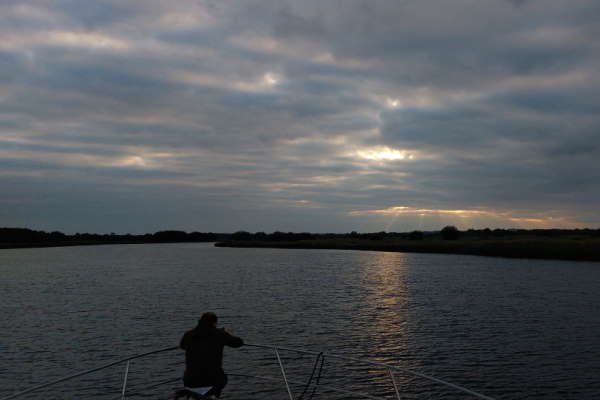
421	211
393	103
131	161
271	79
261	83
384	154
473	217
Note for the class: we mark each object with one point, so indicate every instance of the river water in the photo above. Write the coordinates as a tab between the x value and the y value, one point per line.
511	329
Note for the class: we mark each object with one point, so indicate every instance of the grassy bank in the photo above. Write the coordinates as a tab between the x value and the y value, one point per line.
578	249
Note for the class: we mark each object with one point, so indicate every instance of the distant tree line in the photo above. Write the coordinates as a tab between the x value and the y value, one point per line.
447	233
28	236
24	236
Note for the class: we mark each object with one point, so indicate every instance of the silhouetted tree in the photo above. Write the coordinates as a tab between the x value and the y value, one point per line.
450	233
415	235
241	235
170	236
202	237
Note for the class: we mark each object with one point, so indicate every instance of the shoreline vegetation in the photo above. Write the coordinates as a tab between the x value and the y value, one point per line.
15	238
559	244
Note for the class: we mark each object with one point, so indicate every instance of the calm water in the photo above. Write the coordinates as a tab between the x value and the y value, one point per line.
511	329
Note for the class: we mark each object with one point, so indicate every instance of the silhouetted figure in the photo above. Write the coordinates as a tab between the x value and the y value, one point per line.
203	347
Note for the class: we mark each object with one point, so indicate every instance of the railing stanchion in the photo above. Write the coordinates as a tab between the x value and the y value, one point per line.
125	381
394	383
287	386
405	370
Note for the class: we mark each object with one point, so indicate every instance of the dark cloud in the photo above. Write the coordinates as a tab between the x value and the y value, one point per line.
94	15
298	115
574	102
517	3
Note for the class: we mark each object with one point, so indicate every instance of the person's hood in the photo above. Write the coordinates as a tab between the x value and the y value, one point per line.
203	330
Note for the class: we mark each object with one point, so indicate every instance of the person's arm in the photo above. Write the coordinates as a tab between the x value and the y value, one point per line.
230	340
184	341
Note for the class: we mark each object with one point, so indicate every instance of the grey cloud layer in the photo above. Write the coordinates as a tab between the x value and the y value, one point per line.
253	115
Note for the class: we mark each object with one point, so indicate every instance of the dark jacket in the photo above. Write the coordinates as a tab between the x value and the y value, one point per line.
203	347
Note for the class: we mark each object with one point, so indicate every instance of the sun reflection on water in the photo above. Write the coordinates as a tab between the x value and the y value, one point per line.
386	307
385	280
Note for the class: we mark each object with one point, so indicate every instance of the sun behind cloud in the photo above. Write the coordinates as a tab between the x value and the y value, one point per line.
384	153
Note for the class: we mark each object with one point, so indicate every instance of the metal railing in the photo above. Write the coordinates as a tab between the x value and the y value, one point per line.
89	371
391	369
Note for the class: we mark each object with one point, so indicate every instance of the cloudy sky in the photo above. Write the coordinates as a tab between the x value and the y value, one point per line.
308	115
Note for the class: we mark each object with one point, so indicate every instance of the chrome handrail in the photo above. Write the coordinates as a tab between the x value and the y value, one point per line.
125	381
276	350
380	364
285	380
86	372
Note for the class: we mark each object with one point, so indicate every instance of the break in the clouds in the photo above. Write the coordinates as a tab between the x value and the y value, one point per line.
134	116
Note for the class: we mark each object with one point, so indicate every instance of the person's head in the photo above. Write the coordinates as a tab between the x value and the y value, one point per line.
208	319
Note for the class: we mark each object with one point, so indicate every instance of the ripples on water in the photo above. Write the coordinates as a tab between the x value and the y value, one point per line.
508	328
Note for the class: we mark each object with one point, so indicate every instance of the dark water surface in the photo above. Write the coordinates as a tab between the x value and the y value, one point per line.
511	329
